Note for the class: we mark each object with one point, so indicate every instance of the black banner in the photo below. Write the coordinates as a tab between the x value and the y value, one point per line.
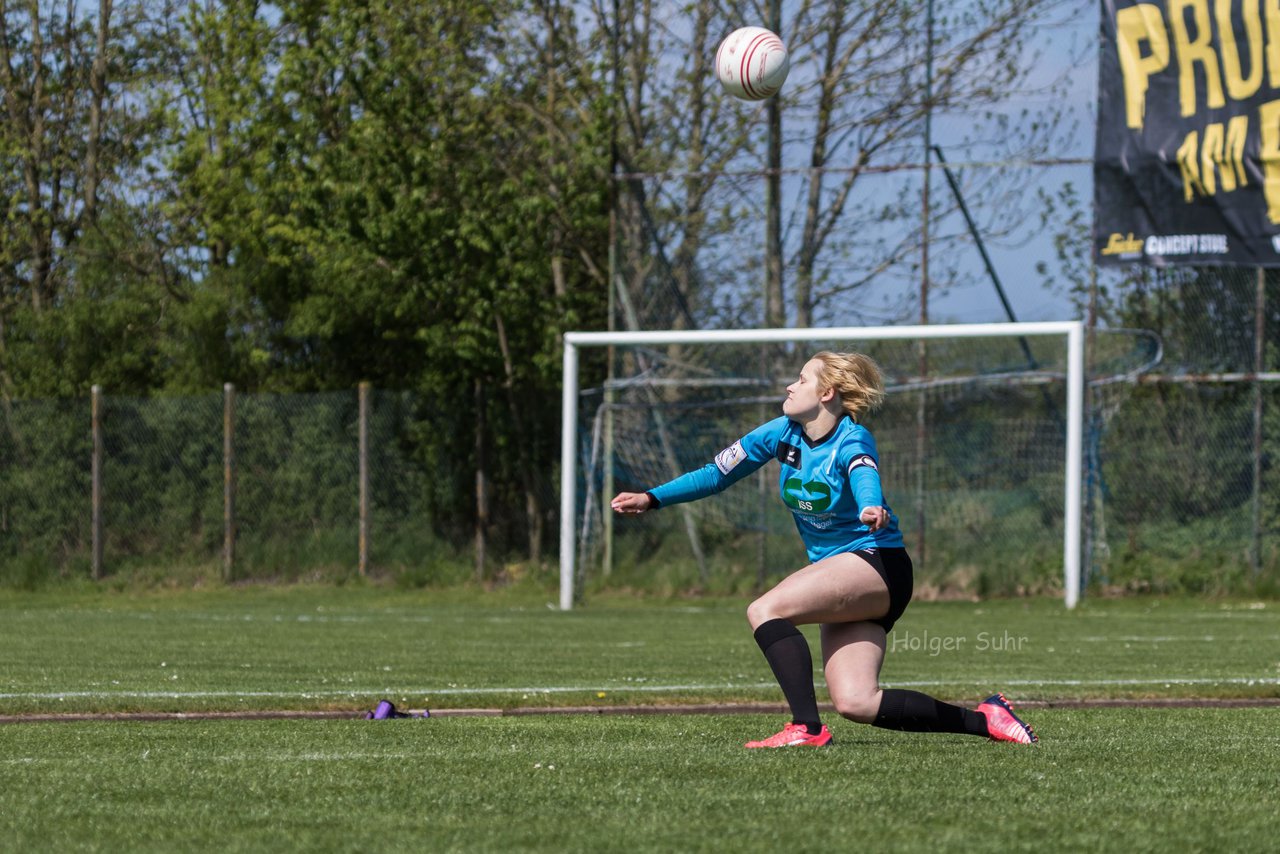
1187	161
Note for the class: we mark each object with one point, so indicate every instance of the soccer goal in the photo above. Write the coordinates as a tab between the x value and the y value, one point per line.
980	438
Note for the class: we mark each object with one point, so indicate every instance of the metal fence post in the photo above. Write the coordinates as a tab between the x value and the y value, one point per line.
482	484
1259	363
228	481
364	476
95	489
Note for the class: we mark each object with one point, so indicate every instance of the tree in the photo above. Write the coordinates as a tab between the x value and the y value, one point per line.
696	163
389	194
73	137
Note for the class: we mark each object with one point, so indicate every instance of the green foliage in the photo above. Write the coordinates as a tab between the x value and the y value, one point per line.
110	327
44	480
1211	457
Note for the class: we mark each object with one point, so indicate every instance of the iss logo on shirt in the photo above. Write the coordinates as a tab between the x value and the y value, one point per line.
728	459
811	497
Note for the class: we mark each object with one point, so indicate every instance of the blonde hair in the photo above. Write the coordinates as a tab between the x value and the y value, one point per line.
856	378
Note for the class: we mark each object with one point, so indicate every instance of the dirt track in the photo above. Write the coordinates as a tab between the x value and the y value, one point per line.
693	709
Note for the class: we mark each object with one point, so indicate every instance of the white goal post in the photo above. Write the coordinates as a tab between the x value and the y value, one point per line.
1072	330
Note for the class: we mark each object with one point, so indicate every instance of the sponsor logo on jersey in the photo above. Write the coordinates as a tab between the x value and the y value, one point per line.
864	460
728	459
788	455
811	497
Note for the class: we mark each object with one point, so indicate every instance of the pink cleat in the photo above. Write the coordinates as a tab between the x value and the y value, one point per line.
1003	724
795	735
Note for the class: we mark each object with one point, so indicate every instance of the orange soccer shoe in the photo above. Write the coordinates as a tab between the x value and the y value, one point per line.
795	735
1003	724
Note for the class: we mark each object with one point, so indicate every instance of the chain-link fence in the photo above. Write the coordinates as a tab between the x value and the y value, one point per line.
1184	418
243	486
45	485
1183	490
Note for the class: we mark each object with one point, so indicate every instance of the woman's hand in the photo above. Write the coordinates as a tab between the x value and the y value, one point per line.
874	518
631	502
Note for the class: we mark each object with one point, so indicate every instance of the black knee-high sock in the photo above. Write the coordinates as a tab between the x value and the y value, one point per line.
787	652
911	711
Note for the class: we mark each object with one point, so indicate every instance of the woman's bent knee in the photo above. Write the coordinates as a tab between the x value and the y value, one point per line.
759	612
860	707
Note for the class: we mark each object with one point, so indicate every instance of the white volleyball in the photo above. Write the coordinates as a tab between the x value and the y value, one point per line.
752	63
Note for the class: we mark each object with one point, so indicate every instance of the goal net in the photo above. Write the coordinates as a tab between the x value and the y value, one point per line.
980	441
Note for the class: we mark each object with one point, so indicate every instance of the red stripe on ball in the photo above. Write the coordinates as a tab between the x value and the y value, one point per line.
745	70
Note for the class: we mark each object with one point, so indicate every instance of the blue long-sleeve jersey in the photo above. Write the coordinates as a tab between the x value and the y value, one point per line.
825	483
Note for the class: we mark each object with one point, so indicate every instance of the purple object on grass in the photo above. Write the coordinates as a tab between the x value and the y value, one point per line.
386	709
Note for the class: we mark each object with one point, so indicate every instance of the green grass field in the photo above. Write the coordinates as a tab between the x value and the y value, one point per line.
1102	778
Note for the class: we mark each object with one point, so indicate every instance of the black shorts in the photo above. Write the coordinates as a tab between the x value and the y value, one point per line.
894	566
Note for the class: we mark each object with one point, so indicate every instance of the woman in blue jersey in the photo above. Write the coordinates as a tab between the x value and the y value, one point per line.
859	578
